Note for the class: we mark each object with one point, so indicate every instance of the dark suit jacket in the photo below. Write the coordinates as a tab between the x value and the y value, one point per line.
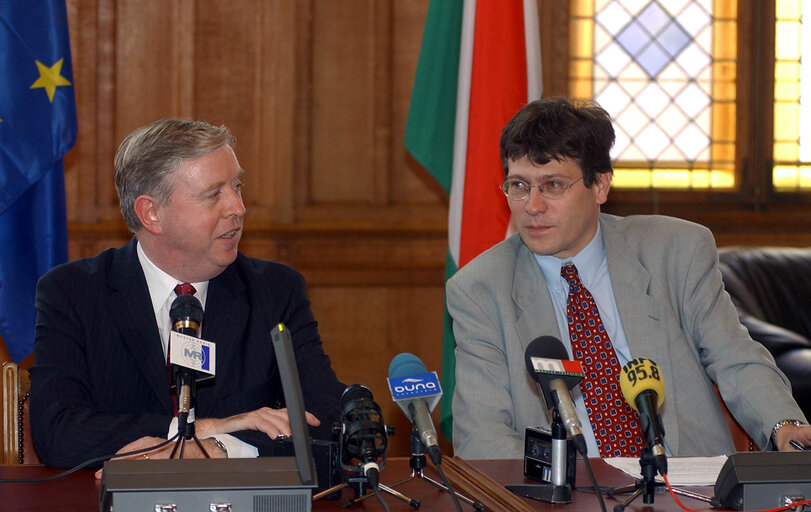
99	379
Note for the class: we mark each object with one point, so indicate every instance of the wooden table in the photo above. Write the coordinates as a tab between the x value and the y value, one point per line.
80	492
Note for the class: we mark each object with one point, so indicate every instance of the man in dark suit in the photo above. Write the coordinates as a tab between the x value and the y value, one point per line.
99	381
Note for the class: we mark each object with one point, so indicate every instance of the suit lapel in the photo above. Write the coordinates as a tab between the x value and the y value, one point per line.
531	295
226	317
639	310
131	308
631	282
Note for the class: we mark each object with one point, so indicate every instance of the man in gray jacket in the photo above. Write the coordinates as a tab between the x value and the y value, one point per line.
656	290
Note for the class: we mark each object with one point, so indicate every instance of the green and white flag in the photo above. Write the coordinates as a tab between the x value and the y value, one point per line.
480	62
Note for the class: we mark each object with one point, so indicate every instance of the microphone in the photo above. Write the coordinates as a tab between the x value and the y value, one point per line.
549	365
416	391
191	358
363	434
187	351
186	314
643	389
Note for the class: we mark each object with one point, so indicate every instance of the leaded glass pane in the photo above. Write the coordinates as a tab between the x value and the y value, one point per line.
792	106
652	65
694	19
653	100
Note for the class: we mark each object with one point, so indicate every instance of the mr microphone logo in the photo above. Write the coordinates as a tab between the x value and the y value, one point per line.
194	353
197	356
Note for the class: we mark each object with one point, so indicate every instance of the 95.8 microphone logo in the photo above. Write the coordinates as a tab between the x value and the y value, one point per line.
414	386
641	369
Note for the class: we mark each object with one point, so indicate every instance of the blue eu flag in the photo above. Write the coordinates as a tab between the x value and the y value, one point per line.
37	127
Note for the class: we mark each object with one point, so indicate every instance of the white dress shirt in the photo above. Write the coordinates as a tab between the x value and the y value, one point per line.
162	292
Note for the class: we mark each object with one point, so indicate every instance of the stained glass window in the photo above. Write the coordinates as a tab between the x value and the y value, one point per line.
792	108
666	72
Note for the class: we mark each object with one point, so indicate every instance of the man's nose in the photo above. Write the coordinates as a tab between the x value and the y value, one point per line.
535	202
236	205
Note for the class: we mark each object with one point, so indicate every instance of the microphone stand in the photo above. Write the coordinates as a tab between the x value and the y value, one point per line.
185	392
558	490
359	483
647	485
418	462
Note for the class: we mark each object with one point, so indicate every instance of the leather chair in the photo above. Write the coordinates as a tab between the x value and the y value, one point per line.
17	445
771	288
740	438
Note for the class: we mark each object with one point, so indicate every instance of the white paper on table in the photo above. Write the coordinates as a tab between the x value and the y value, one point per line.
681	471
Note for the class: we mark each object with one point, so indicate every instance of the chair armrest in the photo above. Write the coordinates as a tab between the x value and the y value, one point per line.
775	338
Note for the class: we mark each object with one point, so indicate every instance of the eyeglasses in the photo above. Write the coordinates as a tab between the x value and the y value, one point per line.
554	188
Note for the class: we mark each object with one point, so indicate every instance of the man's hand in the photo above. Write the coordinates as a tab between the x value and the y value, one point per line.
273	422
787	433
190	450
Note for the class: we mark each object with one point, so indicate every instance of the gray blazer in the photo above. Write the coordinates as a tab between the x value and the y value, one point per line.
673	307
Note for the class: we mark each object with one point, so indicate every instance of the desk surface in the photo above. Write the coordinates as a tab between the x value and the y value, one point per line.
80	492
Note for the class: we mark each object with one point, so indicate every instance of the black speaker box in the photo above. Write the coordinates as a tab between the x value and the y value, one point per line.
761	480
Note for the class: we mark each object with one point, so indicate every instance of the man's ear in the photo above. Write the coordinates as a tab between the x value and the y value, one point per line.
148	210
601	186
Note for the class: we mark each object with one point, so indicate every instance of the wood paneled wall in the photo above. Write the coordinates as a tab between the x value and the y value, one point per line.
316	93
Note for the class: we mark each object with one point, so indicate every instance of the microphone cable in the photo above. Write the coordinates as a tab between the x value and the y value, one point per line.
594	482
85	464
380	498
447	484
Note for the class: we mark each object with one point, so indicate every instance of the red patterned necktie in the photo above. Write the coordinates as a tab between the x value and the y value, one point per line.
181	289
615	424
184	289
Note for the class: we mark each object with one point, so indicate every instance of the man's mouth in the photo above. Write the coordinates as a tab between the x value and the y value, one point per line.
230	234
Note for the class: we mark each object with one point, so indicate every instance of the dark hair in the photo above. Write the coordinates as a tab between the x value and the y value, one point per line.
148	158
557	128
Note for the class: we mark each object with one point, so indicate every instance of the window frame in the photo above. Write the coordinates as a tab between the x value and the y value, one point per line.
752	206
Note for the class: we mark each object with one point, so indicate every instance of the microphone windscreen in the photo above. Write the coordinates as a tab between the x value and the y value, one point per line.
186	306
547	347
406	364
355	392
639	375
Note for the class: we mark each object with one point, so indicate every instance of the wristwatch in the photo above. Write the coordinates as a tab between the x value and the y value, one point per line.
219	444
780	424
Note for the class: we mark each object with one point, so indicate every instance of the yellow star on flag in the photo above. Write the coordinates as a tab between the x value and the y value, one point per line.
50	78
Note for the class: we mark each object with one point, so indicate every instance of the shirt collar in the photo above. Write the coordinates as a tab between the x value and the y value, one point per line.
587	261
161	285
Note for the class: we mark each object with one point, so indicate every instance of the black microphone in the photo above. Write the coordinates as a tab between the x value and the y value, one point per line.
186	315
412	387
549	365
363	433
642	386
